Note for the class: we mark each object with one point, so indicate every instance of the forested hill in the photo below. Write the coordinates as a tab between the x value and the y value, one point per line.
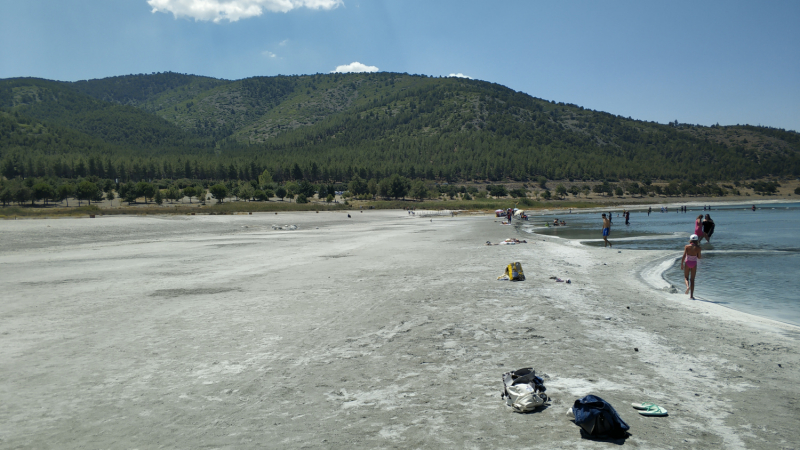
332	126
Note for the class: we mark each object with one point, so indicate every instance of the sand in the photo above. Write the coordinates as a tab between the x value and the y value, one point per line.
379	331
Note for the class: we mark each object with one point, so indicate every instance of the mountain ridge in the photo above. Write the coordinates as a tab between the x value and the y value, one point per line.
418	126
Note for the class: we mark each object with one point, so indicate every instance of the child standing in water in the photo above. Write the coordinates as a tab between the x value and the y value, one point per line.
691	253
606	229
698	226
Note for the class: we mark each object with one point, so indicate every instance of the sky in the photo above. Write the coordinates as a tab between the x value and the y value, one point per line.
727	62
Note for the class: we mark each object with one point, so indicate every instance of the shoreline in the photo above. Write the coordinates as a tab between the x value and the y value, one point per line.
654	271
643	207
241	207
653	274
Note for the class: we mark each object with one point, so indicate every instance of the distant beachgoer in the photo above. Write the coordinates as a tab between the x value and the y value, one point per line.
698	226
691	253
649	210
627	217
754	207
606	230
708	228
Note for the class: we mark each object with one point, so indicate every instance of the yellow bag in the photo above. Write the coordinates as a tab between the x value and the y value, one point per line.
513	272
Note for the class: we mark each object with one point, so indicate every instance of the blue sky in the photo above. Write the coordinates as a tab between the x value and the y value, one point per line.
696	62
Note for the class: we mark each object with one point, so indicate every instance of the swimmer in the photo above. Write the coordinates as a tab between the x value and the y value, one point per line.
691	253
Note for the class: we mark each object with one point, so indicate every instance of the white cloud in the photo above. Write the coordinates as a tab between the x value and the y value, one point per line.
354	67
268	53
283	42
233	10
459	75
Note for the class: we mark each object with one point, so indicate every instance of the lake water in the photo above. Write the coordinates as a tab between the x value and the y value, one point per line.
752	263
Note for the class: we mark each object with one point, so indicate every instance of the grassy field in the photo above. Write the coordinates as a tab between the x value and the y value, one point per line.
230	207
473	205
10	212
239	207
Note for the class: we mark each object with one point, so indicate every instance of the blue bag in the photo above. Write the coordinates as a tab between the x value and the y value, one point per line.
598	418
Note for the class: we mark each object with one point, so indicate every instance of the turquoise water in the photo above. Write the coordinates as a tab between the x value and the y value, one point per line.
752	263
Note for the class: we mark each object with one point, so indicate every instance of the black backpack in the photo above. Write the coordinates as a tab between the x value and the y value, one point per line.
598	418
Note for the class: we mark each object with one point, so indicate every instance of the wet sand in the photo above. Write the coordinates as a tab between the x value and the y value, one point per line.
379	331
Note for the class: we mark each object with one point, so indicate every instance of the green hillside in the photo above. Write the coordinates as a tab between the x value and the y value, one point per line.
328	127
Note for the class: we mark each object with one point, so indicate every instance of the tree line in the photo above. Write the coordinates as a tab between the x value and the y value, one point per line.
416	127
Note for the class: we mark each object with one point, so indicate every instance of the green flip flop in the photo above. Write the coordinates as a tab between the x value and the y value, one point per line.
644	405
654	411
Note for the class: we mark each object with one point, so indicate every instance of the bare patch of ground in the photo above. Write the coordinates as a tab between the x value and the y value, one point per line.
361	332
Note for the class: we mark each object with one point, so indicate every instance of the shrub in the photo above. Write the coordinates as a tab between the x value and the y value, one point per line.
219	192
518	193
497	190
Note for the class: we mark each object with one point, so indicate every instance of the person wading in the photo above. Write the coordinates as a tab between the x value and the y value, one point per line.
708	228
698	226
606	230
691	254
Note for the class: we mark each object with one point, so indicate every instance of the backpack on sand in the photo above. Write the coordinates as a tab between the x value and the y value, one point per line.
598	418
513	272
523	390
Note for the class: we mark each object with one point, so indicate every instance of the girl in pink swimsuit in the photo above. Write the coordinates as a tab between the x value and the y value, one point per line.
691	253
698	227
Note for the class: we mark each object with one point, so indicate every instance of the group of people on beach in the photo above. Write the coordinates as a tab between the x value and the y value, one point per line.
703	228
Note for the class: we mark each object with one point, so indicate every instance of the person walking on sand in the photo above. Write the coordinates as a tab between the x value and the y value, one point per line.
691	253
708	228
698	226
606	230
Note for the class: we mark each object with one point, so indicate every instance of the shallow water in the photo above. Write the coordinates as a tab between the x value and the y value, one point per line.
752	263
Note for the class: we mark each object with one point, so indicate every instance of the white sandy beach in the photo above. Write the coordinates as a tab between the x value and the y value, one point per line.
379	331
